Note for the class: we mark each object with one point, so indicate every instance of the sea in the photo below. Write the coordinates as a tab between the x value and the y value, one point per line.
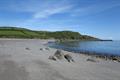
96	47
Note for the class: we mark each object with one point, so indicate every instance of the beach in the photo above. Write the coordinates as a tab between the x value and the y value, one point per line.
28	59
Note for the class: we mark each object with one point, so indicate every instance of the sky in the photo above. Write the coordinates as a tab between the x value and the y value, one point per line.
98	18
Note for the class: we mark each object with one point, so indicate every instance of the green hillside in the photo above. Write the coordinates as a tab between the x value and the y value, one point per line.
14	32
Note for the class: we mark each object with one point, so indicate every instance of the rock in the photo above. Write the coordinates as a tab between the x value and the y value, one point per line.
41	49
52	58
27	48
91	60
47	48
116	59
68	57
58	54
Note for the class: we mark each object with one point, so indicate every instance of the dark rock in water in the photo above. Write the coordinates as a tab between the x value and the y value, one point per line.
68	58
52	58
58	54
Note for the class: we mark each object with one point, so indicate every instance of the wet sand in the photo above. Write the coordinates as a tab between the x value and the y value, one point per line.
23	60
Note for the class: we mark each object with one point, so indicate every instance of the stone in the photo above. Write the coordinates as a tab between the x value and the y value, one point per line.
58	54
47	48
92	59
52	58
68	57
27	48
41	49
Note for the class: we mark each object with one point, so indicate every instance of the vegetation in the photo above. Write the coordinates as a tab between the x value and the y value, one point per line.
14	32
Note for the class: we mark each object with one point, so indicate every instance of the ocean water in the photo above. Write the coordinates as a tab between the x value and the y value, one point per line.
98	47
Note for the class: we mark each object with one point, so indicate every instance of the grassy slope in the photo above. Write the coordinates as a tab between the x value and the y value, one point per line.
13	32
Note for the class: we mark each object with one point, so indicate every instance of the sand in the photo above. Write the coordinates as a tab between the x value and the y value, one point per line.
23	60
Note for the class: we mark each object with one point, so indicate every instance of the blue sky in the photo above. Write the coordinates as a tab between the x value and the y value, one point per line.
99	18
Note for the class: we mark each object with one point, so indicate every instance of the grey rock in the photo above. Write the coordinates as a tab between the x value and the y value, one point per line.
47	48
68	57
58	54
27	48
41	49
52	58
92	59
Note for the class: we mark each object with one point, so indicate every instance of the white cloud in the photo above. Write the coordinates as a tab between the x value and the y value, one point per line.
51	11
40	8
31	5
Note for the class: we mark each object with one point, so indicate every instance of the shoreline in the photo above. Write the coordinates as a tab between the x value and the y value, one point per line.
104	56
29	60
109	57
87	53
99	56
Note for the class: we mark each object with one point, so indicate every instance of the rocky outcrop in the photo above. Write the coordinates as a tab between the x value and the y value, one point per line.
59	55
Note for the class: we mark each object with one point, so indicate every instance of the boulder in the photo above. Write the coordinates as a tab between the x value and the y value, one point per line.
47	48
92	59
27	48
52	58
41	49
68	57
58	54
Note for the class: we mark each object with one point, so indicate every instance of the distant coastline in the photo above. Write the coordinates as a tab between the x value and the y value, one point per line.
23	33
106	40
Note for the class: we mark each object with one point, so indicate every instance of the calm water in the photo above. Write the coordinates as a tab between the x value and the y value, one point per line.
99	47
